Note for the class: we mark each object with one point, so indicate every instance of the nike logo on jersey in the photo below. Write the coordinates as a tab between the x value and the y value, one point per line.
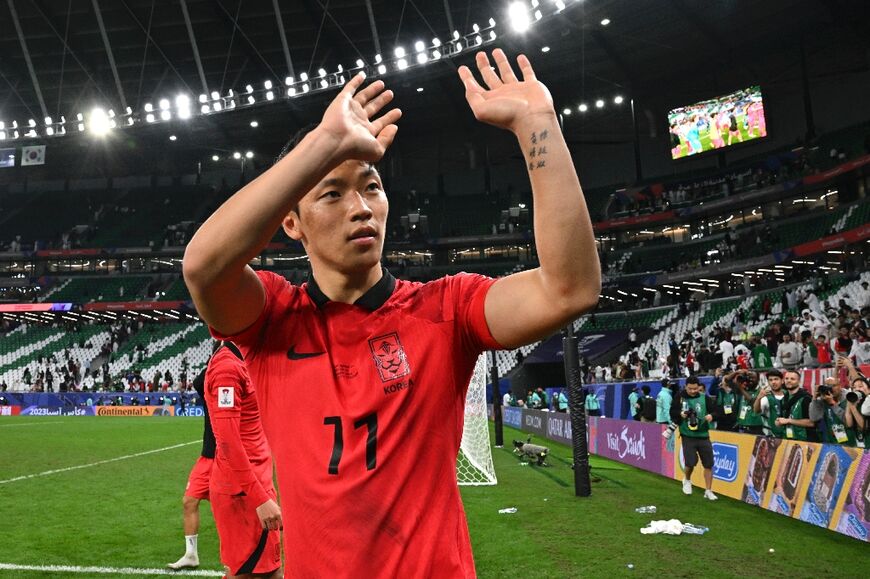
292	354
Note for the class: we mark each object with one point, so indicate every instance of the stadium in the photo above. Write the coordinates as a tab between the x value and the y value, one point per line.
708	290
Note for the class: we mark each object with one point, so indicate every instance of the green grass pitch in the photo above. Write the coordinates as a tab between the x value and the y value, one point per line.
127	513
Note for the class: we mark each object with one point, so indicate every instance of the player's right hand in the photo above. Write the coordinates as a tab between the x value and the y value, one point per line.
350	121
270	515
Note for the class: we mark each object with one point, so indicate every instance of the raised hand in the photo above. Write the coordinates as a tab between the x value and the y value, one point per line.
508	101
350	120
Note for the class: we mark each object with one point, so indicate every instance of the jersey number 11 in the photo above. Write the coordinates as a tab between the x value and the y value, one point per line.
371	422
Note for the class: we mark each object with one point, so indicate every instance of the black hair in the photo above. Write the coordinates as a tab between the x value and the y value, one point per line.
693	380
645	389
291	144
774	373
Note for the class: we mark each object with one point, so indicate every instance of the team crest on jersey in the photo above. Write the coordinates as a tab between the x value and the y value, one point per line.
389	356
226	397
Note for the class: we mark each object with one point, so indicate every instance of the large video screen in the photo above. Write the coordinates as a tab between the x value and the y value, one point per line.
717	123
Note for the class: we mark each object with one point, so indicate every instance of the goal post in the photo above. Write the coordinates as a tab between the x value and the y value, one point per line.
474	463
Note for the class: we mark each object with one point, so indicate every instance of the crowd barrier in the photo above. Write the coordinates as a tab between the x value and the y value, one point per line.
826	485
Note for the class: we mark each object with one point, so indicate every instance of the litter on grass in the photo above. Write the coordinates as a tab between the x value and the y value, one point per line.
507	511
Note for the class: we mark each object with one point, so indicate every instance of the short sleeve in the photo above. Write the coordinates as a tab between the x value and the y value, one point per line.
224	387
468	299
248	339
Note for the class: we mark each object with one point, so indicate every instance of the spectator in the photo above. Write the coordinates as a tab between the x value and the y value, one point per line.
827	408
761	357
728	404
788	354
562	402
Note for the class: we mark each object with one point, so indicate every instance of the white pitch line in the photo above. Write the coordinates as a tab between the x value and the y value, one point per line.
99	462
33	423
108	570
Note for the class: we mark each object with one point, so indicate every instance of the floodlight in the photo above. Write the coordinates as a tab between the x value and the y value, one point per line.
249	155
164	104
237	155
518	13
618	99
599	104
99	122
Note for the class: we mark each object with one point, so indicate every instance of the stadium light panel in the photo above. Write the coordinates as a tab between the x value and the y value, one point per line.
402	64
518	14
129	122
340	69
99	122
204	109
545	49
360	63
255	124
149	118
583	107
458	47
183	113
492	35
164	104
2	125
303	77
215	95
324	83
419	89
217	106
237	155
249	89
203	98
492	22
165	115
599	104
305	88
559	5
173	138
15	123
436	54
618	99
436	42
475	28
148	108
419	46
382	69
249	155
291	92
48	121
251	99
215	158
31	123
399	52
566	111
270	96
605	22
538	15
422	58
321	72
267	85
378	58
2	135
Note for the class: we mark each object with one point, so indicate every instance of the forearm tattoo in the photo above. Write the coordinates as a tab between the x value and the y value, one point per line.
538	150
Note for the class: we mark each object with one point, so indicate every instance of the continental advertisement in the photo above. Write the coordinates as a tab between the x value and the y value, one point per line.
135	410
826	485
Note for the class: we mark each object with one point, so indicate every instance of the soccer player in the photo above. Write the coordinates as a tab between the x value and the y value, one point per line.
197	487
246	515
361	378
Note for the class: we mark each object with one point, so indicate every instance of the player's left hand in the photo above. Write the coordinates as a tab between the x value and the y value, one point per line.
508	101
270	515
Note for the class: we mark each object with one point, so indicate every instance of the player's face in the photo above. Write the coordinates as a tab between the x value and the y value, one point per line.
342	220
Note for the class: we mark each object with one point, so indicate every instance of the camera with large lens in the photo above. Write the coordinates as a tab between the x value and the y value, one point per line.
824	390
692	419
852	397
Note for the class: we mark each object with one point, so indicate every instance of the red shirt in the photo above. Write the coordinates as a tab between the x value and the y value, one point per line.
243	462
363	406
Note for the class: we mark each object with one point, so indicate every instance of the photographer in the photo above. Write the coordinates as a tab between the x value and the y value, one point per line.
769	403
693	410
839	417
728	403
745	384
796	410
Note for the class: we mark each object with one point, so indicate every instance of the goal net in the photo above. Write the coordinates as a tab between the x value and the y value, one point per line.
474	463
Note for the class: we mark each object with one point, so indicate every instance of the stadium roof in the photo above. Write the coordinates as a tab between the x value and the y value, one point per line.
62	57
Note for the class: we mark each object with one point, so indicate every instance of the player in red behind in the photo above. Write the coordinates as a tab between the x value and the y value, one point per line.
246	515
361	378
197	487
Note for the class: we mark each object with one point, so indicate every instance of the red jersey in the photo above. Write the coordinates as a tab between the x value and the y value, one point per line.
363	406
243	461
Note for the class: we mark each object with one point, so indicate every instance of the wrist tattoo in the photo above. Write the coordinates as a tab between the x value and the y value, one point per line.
536	152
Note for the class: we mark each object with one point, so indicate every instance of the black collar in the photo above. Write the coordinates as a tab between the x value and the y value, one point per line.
374	298
232	348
